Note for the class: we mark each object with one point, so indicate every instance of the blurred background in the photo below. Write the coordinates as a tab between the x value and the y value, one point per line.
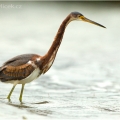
84	80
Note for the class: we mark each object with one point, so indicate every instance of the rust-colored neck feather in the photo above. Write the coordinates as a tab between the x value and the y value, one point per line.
58	38
48	58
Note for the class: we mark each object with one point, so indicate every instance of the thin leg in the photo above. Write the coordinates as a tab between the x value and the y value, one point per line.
21	93
8	97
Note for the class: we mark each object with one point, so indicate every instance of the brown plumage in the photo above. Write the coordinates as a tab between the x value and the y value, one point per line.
18	67
24	68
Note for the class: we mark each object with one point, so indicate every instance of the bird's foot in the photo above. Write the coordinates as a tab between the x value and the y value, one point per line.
20	99
9	100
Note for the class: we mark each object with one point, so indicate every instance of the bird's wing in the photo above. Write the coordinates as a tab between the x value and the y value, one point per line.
17	68
19	60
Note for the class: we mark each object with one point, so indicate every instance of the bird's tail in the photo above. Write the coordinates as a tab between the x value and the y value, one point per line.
1	68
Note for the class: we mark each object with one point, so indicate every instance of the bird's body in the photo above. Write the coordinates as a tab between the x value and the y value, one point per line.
25	68
20	69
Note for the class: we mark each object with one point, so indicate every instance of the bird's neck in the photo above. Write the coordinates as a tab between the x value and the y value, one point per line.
51	54
58	38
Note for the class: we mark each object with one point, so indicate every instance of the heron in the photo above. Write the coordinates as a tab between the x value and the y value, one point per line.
25	68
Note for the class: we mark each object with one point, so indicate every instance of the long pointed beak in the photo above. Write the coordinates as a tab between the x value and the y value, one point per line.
90	21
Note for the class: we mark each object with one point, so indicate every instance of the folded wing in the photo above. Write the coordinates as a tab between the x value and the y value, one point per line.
17	68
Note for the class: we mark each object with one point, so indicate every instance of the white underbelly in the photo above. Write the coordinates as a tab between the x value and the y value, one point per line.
28	79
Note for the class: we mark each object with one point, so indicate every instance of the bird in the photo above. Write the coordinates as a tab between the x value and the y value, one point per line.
25	68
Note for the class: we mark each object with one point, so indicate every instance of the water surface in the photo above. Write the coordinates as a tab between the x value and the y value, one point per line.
84	81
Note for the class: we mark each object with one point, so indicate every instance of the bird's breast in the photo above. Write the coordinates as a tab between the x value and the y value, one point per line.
35	74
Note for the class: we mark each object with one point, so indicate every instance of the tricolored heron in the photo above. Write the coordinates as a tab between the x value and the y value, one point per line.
25	68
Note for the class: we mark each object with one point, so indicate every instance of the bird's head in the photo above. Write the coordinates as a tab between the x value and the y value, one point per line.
79	16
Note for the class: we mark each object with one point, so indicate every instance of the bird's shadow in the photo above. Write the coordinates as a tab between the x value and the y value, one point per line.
21	104
32	107
25	105
29	106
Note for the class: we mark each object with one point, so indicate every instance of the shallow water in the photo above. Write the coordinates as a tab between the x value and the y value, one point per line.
84	79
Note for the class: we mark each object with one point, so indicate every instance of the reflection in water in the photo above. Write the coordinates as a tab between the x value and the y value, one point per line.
44	102
19	105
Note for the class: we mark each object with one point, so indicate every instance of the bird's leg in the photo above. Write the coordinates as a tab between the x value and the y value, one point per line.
8	97
21	93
